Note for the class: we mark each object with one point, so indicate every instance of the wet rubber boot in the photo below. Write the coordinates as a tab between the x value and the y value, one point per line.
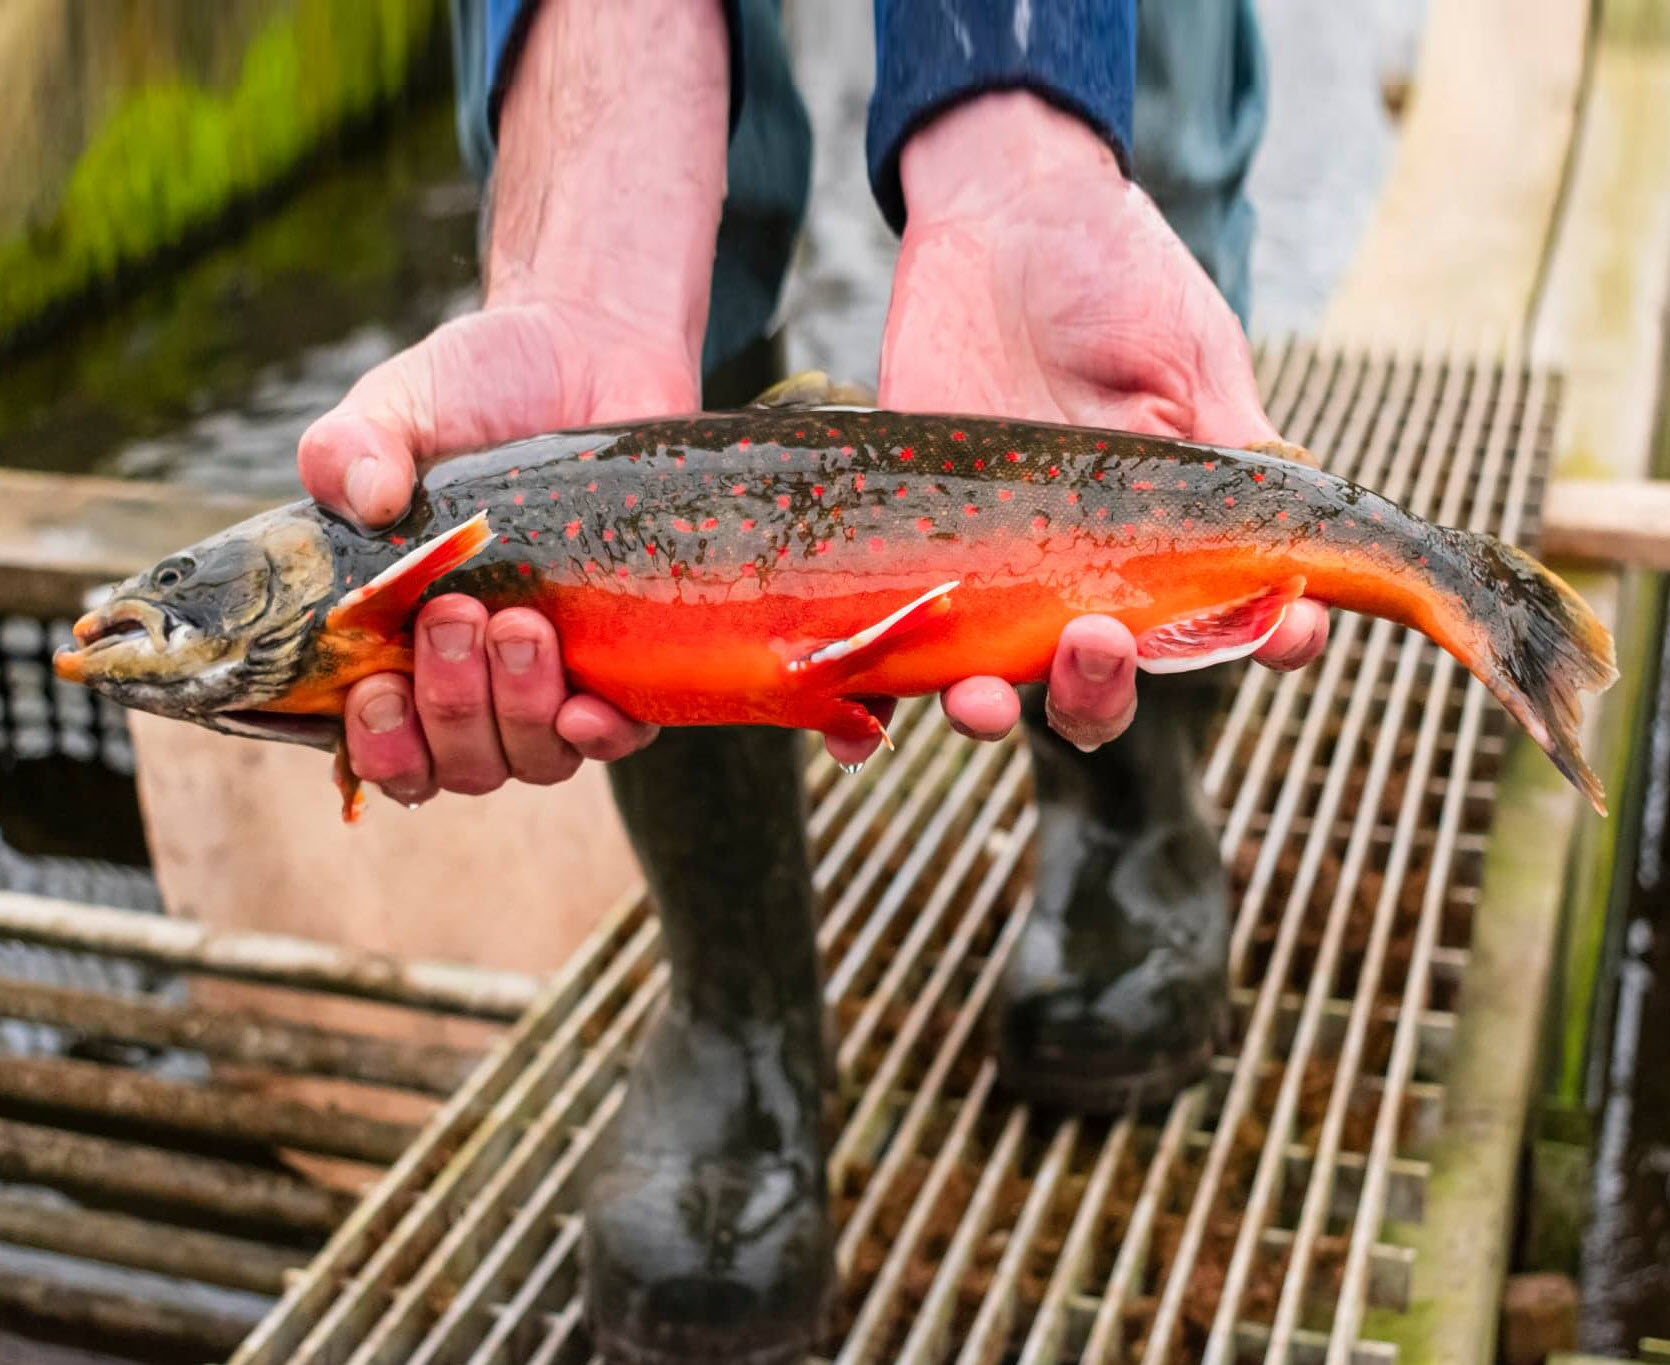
707	1235
1116	992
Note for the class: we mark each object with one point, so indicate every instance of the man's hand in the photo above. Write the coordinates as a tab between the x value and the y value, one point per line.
610	178
1035	281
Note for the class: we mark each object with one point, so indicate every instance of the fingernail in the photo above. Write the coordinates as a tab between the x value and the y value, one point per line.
384	713
452	640
1092	666
361	488
516	656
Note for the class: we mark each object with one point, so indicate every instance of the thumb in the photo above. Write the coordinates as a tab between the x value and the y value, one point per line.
478	380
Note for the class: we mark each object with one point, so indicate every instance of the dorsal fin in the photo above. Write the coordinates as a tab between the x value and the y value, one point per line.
814	389
384	606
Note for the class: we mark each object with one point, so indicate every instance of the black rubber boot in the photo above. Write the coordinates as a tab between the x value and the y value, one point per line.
707	1235
1115	995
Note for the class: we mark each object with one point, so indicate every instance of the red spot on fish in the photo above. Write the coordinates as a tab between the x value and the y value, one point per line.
817	490
397	540
573	529
623	572
782	552
1182	483
631	501
1229	501
711	524
556	496
748	524
1188	522
834	432
1014	457
592	486
1101	474
948	466
908	453
858	481
744	443
1424	561
1005	494
533	535
504	540
1054	472
1258	478
515	473
678	570
1209	465
651	549
901	492
588	454
846	450
1040	523
524	569
1101	445
1143	486
783	500
1129	529
959	436
800	436
971	510
924	524
1101	514
877	545
609	533
518	500
592	566
679	461
1072	498
979	464
1281	516
748	569
785	457
681	525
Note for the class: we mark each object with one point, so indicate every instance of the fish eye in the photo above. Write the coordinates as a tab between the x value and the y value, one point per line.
173	572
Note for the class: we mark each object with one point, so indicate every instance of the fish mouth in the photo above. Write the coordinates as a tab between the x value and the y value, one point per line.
121	621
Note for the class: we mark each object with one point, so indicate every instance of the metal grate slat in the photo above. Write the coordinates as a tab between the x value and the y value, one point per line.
1245	1220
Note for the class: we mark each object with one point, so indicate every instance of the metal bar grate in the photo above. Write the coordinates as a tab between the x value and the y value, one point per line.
1245	1221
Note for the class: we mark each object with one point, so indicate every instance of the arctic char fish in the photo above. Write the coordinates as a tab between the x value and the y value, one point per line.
793	566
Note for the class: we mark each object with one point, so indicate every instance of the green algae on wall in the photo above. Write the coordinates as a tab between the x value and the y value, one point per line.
174	156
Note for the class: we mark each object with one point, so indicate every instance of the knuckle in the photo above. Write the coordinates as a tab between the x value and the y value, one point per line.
451	706
473	781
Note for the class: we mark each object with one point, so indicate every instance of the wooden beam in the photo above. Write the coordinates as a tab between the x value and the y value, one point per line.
1603	521
61	535
1458	238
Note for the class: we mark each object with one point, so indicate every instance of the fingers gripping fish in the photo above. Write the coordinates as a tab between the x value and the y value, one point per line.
794	566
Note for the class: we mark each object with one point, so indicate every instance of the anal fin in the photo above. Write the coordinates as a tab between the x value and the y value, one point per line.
1220	633
928	607
385	605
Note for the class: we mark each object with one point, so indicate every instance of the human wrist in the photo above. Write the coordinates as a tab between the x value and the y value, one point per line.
975	157
611	171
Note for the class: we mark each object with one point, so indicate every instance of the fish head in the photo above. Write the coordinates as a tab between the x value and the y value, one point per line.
216	632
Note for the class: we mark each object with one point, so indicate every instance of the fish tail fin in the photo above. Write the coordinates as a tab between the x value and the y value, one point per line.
1543	648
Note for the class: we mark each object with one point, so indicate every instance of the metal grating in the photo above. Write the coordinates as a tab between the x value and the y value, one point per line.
171	1153
1249	1220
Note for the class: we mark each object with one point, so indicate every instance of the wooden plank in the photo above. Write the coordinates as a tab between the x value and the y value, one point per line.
62	535
1458	238
1602	521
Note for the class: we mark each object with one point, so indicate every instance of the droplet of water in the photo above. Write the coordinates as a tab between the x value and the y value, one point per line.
414	805
852	769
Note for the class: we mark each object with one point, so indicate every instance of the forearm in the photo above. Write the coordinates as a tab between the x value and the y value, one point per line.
611	165
976	156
